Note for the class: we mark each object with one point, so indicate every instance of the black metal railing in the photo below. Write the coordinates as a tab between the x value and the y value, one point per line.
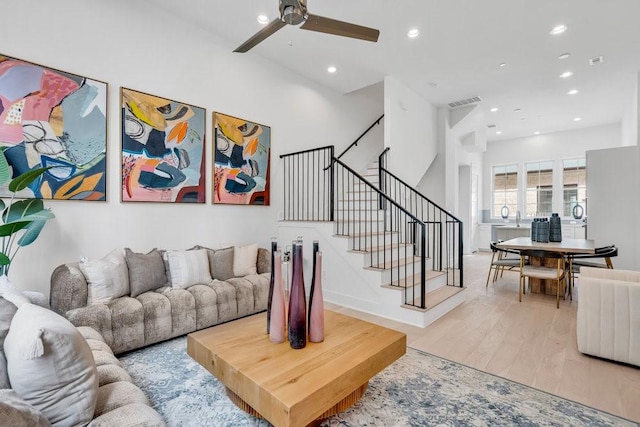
444	232
309	185
407	237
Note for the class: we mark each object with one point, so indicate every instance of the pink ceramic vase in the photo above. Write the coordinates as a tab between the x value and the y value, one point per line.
316	303
277	330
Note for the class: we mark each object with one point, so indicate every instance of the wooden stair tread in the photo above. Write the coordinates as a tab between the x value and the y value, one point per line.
397	263
412	280
435	298
373	249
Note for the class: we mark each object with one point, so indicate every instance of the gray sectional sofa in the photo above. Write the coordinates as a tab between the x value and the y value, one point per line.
163	309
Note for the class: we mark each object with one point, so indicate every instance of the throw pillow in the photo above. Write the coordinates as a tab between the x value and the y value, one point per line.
50	366
146	272
15	412
221	263
245	259
108	278
188	268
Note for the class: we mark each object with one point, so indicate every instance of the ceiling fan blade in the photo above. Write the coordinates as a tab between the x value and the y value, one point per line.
340	28
271	28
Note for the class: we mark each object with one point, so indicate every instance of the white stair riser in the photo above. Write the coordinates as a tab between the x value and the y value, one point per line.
358	204
364	214
382	255
363	242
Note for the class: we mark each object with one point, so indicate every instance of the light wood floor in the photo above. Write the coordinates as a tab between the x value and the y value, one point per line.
531	342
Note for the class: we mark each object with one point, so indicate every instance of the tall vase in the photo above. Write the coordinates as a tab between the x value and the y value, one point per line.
297	302
277	324
316	302
274	248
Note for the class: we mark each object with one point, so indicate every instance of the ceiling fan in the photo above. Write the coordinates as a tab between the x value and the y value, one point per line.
294	12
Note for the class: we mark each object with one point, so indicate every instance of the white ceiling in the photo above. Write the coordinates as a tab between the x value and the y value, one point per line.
458	52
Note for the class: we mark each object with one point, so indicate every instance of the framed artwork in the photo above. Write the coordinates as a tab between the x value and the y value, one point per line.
163	149
241	161
51	118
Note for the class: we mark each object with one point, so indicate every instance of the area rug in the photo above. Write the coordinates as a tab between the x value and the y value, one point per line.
417	390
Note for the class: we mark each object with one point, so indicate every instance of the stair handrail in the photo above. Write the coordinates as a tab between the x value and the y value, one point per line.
419	194
355	143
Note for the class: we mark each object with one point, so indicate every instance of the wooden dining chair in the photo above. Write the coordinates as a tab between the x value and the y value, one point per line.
500	260
557	272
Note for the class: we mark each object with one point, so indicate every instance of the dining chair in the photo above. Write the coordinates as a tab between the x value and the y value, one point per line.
576	261
528	271
500	260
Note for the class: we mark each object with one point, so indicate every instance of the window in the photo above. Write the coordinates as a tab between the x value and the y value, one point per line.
539	189
574	184
505	189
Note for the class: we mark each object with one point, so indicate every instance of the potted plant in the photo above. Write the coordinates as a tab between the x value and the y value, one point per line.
22	220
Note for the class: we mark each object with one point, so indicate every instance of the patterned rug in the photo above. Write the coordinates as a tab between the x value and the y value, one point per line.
417	390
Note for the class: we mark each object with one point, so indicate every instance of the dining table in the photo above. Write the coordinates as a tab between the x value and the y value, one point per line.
566	247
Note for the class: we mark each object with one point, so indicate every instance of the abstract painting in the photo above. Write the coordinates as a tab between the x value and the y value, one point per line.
51	118
241	161
163	147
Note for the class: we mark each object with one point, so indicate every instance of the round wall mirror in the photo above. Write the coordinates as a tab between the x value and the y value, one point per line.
578	211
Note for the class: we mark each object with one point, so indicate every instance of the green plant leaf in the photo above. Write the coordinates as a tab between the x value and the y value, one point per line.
5	172
23	180
22	208
9	228
2	205
32	231
4	260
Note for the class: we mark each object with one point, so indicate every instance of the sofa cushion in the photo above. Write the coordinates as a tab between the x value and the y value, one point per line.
4	375
130	415
188	268
115	395
51	366
15	412
107	278
244	260
146	271
221	263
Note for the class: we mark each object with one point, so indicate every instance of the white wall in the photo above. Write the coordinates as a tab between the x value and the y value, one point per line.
126	43
631	118
410	131
553	146
612	189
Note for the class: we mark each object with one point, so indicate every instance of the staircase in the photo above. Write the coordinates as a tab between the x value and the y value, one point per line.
407	249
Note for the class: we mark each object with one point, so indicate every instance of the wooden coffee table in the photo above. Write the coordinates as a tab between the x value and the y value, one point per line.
296	387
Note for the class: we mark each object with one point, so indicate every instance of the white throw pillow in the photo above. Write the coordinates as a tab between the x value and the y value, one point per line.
108	278
16	412
245	259
188	268
51	367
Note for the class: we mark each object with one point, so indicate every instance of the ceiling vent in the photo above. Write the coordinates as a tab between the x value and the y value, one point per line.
491	126
464	102
596	60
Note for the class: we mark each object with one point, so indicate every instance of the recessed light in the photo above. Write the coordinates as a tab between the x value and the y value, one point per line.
564	55
332	69
434	84
413	33
498	132
516	110
494	109
523	118
536	133
566	74
263	19
573	92
558	29
577	119
503	64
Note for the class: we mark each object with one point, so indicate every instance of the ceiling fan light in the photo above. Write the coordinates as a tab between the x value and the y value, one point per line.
332	69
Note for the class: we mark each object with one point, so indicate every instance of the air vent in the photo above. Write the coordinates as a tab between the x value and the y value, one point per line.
596	60
465	102
491	126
